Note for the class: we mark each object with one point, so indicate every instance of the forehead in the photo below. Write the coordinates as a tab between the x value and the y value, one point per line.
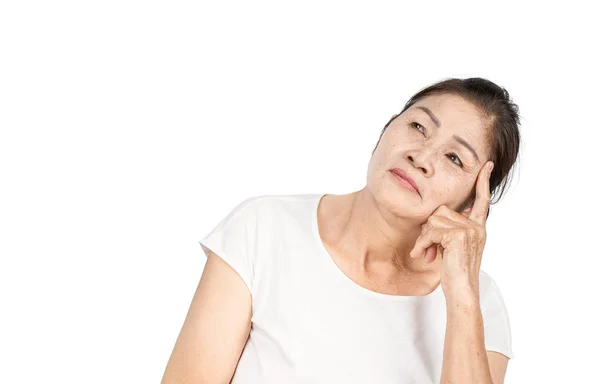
451	110
457	116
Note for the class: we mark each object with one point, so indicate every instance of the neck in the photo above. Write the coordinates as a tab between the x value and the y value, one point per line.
375	237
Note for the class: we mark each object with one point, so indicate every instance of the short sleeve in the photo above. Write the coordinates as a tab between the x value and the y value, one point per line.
234	239
497	333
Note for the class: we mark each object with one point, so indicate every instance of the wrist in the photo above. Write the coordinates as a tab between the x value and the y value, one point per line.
462	296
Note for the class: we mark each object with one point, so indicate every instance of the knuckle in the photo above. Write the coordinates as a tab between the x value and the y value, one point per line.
472	232
461	234
440	210
432	220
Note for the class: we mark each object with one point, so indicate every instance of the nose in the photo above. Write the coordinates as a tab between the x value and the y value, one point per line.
420	160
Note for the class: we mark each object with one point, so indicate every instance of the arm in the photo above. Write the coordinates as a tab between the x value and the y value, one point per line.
459	239
498	364
465	358
215	329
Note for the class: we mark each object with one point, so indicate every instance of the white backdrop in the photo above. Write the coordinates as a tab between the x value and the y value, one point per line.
129	129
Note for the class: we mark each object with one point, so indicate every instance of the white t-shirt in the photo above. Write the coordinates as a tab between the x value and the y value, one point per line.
312	324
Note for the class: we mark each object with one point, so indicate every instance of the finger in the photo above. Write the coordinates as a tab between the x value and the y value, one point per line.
433	221
482	197
431	254
450	221
449	213
431	237
466	212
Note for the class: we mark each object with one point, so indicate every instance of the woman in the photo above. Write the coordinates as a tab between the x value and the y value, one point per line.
382	285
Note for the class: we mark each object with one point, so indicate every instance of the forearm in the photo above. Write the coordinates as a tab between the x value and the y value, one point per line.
465	358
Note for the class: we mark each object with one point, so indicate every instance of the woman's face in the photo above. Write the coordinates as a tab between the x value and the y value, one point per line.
442	144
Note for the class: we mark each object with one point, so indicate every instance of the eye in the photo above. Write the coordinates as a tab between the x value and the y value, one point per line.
459	163
417	126
453	157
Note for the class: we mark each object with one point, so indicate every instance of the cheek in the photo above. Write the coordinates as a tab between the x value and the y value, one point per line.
452	191
403	133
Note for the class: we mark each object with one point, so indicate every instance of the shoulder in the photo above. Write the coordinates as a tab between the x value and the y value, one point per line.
490	297
265	205
486	283
495	316
266	214
488	289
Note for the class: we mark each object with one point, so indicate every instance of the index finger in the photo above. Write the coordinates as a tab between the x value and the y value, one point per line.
482	194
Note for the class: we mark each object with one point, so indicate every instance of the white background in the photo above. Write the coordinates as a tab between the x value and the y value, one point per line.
129	129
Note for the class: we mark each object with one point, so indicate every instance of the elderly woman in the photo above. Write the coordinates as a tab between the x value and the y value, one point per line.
381	285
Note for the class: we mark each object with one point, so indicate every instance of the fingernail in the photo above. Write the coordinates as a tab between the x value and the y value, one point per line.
490	167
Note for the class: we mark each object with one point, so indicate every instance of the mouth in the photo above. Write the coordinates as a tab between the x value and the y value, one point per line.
405	180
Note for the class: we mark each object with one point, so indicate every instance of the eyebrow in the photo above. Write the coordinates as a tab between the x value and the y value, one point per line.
431	115
463	142
456	137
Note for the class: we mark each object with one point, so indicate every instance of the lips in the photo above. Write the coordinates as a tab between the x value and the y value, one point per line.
403	175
